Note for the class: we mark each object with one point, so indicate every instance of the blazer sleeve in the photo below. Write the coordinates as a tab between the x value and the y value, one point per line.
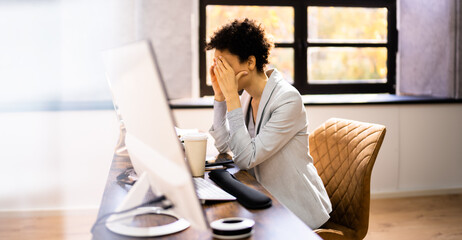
220	129
287	119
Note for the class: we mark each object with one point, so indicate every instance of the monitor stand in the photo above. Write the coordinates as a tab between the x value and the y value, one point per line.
121	223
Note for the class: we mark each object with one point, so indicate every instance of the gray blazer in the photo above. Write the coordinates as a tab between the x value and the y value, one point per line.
278	155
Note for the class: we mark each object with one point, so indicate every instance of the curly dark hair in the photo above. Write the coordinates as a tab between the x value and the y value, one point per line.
243	38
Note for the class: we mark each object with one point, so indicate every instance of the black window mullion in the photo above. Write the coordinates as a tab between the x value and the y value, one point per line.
204	89
350	3
284	45
282	3
314	44
300	50
392	39
345	88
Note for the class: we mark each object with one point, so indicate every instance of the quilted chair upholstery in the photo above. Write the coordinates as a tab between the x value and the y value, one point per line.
344	153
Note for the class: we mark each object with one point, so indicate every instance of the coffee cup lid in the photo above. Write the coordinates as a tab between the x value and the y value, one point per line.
195	137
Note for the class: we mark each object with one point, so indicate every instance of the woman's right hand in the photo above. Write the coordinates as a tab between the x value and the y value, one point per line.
219	97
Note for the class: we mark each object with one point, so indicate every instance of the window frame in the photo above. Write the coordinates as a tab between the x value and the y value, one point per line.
301	44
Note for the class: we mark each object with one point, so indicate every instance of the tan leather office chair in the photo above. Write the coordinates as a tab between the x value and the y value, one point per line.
344	153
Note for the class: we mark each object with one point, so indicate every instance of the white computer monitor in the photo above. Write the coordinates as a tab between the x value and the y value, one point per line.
153	146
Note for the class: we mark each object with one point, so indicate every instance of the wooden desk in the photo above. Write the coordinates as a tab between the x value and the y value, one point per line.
276	222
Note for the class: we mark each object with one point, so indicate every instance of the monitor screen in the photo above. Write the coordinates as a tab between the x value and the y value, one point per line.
153	146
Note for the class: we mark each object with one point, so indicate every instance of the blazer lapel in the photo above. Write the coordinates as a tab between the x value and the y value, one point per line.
245	102
265	98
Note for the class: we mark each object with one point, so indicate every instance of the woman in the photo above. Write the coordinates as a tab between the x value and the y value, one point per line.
265	128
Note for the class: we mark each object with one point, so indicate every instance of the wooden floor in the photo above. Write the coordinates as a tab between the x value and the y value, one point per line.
55	225
434	217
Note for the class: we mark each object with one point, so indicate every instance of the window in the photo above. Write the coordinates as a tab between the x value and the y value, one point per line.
321	46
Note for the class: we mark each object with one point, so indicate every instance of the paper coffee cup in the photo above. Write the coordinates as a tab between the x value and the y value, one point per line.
195	145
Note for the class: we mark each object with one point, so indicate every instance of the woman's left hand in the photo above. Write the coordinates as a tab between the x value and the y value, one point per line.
228	80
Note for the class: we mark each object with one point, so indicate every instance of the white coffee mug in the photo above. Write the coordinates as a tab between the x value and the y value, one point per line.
196	148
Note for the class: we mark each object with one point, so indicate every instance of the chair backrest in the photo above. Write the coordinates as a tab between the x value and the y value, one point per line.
344	153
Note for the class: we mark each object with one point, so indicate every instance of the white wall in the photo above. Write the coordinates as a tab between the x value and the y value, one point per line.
170	27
